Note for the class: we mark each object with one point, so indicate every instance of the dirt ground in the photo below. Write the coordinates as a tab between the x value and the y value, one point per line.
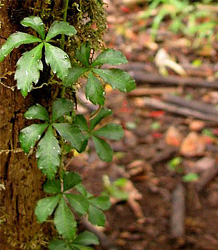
154	137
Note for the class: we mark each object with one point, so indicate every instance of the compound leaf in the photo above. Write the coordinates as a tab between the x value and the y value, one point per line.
70	180
71	133
58	60
94	90
110	131
74	74
14	41
102	202
101	115
110	56
78	202
64	220
83	54
58	28
48	154
59	245
30	135
52	186
45	207
37	112
103	149
80	247
35	23
117	78
96	216
61	107
28	69
86	238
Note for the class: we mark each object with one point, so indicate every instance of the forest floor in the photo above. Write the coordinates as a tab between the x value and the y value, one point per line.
169	154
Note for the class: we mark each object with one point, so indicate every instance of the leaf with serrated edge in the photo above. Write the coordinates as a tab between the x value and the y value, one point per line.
48	154
103	149
101	115
64	220
74	74
86	238
70	180
117	78
96	216
102	202
70	133
58	60
78	202
52	186
30	135
45	207
94	90
14	41
83	54
58	28
61	107
58	245
110	56
28	69
37	112
35	23
110	131
81	122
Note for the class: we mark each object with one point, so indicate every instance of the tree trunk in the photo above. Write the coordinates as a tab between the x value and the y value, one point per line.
20	179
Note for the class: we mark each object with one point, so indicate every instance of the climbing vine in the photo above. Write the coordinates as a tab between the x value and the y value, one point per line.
60	129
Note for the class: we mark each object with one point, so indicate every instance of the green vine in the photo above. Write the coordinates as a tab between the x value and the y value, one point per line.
61	129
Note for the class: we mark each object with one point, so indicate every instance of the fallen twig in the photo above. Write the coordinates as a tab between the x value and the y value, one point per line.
152	91
196	105
157	104
177	220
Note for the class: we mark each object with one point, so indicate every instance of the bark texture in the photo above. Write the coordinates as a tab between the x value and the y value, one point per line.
20	179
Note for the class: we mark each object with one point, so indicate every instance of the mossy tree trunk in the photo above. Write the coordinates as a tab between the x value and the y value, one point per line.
20	179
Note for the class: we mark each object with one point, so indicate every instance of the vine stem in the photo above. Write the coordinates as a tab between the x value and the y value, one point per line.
66	3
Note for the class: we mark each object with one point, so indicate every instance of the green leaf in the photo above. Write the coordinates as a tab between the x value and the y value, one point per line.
35	23
191	177
111	131
30	135
52	186
81	122
74	74
59	28
70	180
48	154
70	133
45	207
37	112
58	245
102	202
28	69
83	54
96	216
94	90
14	41
58	60
81	189
86	238
110	56
80	247
64	220
101	115
78	202
61	107
103	149
117	78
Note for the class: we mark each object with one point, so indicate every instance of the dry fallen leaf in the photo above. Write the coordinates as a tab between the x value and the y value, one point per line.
173	137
